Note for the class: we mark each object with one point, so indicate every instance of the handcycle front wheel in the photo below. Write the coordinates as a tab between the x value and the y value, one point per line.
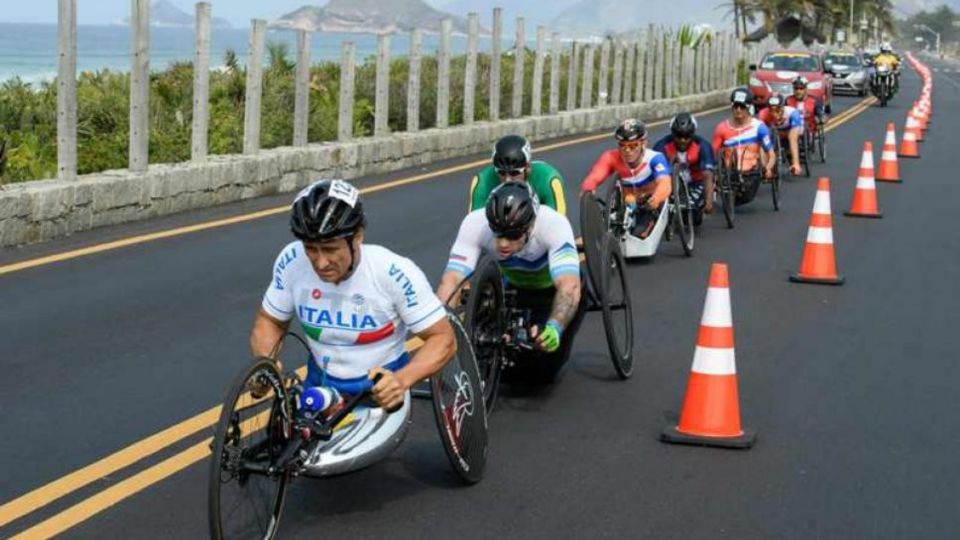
245	497
682	215
484	327
822	141
593	228
459	409
616	307
727	195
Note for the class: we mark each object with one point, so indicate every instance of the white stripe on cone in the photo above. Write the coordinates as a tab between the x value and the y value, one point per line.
866	160
820	235
889	155
716	308
866	182
821	204
711	361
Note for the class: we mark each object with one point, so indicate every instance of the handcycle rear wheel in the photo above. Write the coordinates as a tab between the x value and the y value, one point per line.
484	327
243	500
614	299
459	409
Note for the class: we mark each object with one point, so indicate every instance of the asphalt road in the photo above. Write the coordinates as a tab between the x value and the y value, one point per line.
852	389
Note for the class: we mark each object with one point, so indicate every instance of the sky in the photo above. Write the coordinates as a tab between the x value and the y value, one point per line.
238	12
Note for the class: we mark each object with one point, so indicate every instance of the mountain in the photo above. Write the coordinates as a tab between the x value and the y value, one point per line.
534	12
376	16
163	13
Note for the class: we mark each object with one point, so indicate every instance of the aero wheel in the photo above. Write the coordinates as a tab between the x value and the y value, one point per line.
593	228
727	195
683	216
245	497
485	328
775	185
805	145
459	409
617	308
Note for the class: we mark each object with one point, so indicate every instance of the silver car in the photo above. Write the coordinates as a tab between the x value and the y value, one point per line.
849	73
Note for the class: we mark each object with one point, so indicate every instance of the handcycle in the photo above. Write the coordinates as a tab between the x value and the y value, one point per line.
676	214
264	439
736	187
498	318
814	140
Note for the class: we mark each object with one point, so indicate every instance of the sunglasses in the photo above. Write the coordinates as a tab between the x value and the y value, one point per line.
630	145
740	106
510	173
510	235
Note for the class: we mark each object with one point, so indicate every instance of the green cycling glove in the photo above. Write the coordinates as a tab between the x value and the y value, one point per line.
550	335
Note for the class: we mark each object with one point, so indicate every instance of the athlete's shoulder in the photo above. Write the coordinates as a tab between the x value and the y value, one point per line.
661	144
550	222
288	263
545	170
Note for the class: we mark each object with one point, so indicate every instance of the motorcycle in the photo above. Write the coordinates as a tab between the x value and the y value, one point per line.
883	84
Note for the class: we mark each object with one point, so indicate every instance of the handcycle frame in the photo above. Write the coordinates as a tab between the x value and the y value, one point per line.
615	219
352	441
730	181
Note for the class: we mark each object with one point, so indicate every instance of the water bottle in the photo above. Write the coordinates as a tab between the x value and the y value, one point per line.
317	399
631	211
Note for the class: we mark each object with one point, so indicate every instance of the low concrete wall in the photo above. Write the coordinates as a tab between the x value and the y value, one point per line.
42	210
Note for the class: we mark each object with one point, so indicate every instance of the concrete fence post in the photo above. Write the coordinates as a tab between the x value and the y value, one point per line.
617	89
660	54
470	71
67	90
673	68
251	113
586	92
301	96
629	72
201	85
554	102
572	73
650	62
347	89
639	87
139	150
603	93
443	75
381	109
495	57
537	94
413	82
519	54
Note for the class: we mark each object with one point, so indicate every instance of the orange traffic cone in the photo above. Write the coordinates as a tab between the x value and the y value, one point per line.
908	146
914	125
711	408
889	166
865	194
819	264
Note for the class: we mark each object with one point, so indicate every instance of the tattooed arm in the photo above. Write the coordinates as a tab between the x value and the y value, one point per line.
567	300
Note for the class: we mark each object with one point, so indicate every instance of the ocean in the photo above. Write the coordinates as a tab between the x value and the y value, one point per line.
29	51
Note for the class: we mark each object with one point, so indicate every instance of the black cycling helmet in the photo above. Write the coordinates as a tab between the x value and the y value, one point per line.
511	153
326	210
512	208
741	96
800	82
683	125
631	129
776	100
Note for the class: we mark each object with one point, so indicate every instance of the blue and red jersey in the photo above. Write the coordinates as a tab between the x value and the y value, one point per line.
698	157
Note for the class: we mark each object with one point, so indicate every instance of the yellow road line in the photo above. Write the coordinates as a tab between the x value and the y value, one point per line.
179	231
48	493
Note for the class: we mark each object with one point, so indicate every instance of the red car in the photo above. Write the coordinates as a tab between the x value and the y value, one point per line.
778	69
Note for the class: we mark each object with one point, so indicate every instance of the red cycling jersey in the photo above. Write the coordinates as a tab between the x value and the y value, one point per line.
651	175
809	109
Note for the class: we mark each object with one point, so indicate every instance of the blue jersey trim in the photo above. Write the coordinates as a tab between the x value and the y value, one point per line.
425	317
352	386
267	300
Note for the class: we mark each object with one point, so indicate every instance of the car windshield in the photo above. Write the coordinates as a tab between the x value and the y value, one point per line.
844	59
790	62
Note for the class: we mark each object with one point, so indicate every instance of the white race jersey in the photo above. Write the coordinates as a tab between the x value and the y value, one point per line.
360	323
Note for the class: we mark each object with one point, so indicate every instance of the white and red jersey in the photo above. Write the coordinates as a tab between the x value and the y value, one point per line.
361	322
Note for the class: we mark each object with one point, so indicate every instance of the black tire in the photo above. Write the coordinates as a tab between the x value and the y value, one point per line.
458	409
615	298
822	142
615	215
727	195
593	225
805	154
236	442
682	214
775	186
484	324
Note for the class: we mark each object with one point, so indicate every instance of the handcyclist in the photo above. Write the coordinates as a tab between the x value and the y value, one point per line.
534	247
355	302
890	60
789	125
684	147
512	160
745	138
643	173
811	110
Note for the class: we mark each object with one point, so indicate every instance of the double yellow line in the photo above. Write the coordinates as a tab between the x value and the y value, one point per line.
142	449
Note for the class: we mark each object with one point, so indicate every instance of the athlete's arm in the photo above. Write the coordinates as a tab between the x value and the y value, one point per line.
559	199
471	198
661	169
277	306
766	143
600	171
707	165
266	334
463	257
439	346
